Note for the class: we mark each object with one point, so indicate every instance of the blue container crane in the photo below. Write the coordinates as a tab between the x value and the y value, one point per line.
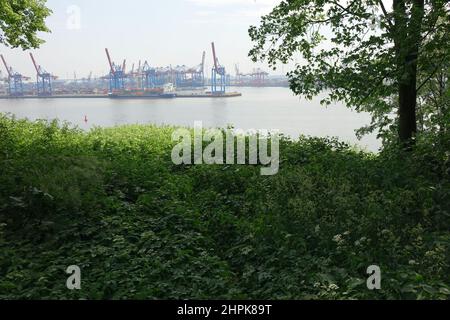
218	75
116	75
15	81
43	80
149	76
198	77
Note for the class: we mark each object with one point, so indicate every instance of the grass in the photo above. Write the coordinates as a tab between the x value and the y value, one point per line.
112	202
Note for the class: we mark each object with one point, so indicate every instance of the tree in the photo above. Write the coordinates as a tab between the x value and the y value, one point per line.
20	21
368	53
434	100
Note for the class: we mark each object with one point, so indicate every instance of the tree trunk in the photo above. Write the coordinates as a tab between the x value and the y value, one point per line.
407	43
408	105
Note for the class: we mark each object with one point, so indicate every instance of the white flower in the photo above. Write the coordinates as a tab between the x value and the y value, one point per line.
333	287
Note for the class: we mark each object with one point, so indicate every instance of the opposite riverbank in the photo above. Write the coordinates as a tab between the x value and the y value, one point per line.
103	96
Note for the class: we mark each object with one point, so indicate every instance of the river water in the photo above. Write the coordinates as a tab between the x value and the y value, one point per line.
258	108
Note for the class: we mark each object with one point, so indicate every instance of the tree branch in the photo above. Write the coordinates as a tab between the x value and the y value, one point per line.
430	75
386	14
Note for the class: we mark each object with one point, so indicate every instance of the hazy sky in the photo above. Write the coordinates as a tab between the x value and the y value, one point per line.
164	32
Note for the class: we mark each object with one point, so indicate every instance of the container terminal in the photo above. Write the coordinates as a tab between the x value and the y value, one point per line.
142	81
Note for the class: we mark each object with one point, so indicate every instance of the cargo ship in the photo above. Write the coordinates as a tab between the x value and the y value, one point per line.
165	92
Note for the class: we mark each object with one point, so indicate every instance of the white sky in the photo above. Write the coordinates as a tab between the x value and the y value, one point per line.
165	32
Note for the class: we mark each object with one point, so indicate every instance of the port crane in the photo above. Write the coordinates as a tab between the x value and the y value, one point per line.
116	75
15	80
135	76
180	74
199	74
191	77
124	66
149	76
156	77
218	75
139	74
259	77
43	79
239	75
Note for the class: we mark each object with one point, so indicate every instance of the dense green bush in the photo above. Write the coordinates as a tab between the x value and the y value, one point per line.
112	202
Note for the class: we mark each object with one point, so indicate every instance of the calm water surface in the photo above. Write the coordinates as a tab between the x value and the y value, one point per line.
258	108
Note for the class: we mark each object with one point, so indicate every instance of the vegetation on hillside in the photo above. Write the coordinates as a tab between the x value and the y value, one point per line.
112	202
